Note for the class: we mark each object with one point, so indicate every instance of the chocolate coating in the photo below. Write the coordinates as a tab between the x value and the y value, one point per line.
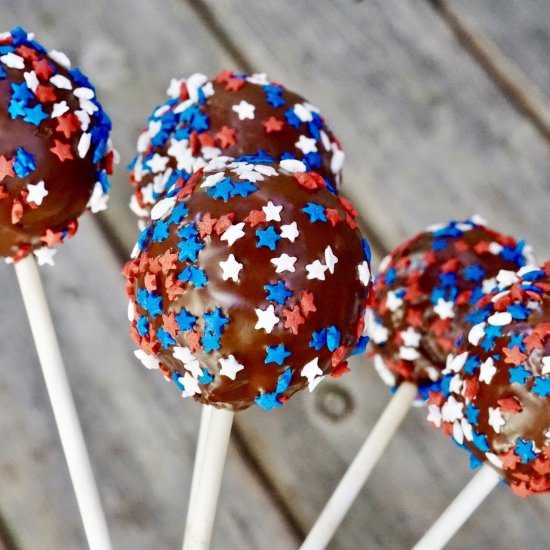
52	130
234	115
495	394
425	289
240	295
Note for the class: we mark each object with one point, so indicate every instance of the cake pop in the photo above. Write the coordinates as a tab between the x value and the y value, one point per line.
237	115
249	284
424	292
495	390
55	153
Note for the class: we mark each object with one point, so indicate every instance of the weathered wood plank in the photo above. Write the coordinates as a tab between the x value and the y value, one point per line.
429	137
510	39
141	435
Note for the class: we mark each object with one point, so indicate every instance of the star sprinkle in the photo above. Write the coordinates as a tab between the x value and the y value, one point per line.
44	255
148	361
245	110
233	233
267	238
316	270
290	231
230	367
284	263
276	354
277	292
273	213
37	192
487	370
266	319
231	269
312	372
364	273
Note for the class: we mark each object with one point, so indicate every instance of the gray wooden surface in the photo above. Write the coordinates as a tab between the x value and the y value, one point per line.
430	134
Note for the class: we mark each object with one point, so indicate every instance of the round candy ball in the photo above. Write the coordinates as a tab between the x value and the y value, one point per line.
55	153
235	115
249	284
495	391
424	292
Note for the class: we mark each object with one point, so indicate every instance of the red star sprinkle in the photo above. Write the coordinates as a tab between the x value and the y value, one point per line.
42	69
174	288
194	143
223	76
471	387
542	466
3	193
333	216
514	356
207	140
62	150
532	341
16	211
348	206
509	459
306	303
338	355
309	180
351	222
45	93
224	222
255	217
26	52
413	293
542	329
206	225
272	124
521	489
450	265
226	137
435	398
293	319
154	266
415	317
6	168
72	228
168	261
440	326
68	124
340	370
170	324
234	84
165	371
460	246
194	341
150	282
482	247
52	238
510	404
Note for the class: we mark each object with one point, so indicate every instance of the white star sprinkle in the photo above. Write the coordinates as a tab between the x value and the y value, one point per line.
500	319
444	309
293	165
190	362
467	429
37	192
458	434
272	212
495	419
32	81
244	110
302	112
284	263
13	61
506	278
45	255
487	370
409	354
162	208
212	179
434	415
306	145
452	410
476	334
312	372
157	163
364	272
233	233
393	301
411	337
98	200
148	361
330	259
230	367
84	144
61	82
59	109
316	270
231	269
546	365
290	231
455	363
266	319
190	384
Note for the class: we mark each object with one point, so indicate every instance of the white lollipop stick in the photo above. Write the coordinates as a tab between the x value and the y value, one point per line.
462	507
201	512
64	410
199	453
358	472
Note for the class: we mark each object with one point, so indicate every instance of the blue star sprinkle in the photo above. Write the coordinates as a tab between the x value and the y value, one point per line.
278	292
185	320
318	339
333	338
480	441
267	238
165	338
214	321
315	212
142	325
541	386
189	249
472	413
35	115
276	354
519	375
525	450
222	190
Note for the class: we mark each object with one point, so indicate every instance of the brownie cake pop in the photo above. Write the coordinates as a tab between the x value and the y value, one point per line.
422	296
236	115
249	284
55	153
495	391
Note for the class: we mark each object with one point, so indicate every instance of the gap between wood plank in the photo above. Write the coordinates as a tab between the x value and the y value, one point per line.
522	92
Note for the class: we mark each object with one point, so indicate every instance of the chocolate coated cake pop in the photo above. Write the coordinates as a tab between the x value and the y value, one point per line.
234	115
249	284
424	290
495	390
55	153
